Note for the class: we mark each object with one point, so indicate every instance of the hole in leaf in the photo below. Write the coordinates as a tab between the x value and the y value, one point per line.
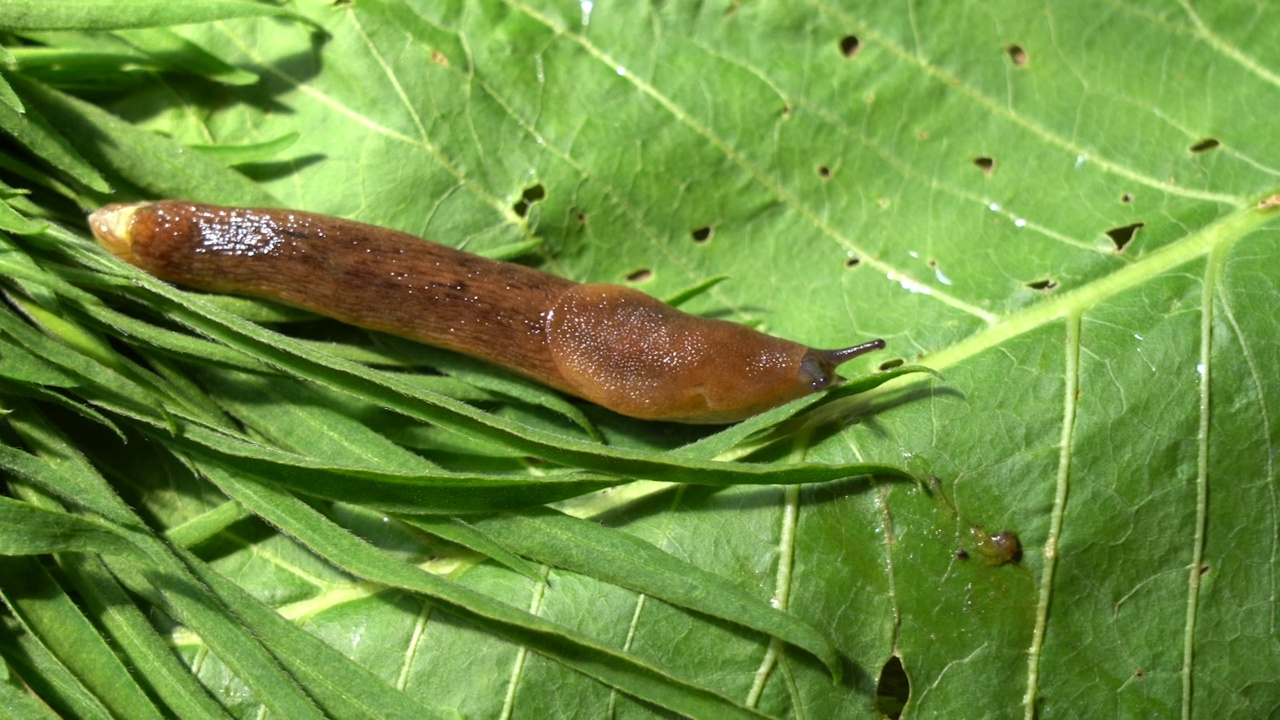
1045	284
1126	198
890	364
962	554
581	217
985	164
531	195
703	234
849	46
1204	569
1124	234
1205	145
852	262
893	689
640	275
824	172
1017	55
1139	673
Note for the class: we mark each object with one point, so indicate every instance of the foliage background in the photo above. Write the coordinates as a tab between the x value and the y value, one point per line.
1061	207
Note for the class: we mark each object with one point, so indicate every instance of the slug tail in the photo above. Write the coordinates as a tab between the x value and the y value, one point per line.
111	226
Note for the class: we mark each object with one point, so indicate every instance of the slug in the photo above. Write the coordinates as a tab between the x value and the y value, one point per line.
1003	547
607	344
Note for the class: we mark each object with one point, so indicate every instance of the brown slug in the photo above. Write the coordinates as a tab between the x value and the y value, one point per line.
1003	547
608	344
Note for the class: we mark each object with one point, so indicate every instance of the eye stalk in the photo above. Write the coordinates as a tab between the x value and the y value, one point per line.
818	368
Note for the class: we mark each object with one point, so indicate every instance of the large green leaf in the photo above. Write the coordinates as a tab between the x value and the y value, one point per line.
1065	208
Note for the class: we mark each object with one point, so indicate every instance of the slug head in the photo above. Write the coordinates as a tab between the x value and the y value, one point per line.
635	355
818	367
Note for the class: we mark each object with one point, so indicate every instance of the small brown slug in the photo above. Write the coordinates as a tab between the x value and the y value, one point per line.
1003	547
608	344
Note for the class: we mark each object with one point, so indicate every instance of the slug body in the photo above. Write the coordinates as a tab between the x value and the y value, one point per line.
608	344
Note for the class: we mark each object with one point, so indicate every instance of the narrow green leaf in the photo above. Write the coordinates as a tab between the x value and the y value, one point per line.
176	52
28	530
557	642
163	580
46	611
207	524
735	435
346	689
8	96
148	653
690	293
148	161
48	679
554	538
136	638
25	15
21	702
184	346
295	416
68	333
88	373
251	153
458	531
31	130
20	365
18	224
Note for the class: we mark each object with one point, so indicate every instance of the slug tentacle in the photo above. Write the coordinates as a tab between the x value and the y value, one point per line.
612	345
819	366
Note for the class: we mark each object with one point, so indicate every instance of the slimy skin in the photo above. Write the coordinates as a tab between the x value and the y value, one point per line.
608	344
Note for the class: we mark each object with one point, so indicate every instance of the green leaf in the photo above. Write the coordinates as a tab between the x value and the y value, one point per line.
561	643
142	158
179	54
26	15
44	676
1067	210
27	530
622	560
7	95
45	610
241	154
33	131
23	704
457	531
12	221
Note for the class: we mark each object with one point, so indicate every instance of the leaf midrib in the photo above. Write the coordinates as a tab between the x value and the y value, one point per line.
1191	247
